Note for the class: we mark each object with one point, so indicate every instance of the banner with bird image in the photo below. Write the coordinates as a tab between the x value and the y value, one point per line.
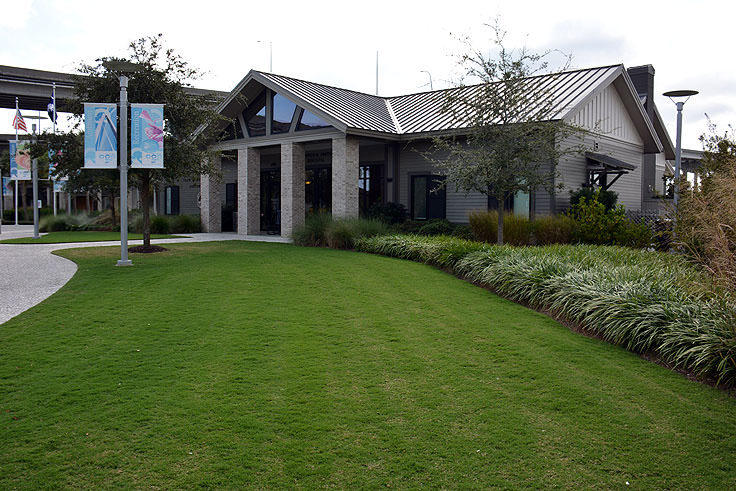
147	136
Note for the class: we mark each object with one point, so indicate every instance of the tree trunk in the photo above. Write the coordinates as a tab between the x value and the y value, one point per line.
501	202
146	202
112	210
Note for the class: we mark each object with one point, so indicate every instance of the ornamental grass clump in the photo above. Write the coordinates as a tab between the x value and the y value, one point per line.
647	302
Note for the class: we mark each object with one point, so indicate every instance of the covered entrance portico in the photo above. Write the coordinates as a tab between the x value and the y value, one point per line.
292	159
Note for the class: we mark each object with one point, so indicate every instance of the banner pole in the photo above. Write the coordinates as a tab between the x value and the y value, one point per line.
15	196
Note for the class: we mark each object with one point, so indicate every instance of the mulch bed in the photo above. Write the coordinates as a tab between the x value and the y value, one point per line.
141	249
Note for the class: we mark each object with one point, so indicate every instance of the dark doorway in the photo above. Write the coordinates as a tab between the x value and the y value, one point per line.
271	201
318	190
229	207
370	187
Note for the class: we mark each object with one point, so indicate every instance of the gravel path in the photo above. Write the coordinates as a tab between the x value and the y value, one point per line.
30	273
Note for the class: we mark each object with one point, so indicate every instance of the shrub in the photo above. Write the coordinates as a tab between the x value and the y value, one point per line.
517	230
312	233
342	233
606	198
596	225
557	229
390	213
186	224
436	226
408	227
58	223
484	225
160	224
463	232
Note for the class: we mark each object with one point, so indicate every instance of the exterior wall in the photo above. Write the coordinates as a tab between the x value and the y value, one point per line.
606	114
573	171
412	162
211	201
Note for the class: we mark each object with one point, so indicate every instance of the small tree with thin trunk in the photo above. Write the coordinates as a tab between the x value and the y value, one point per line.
190	120
507	139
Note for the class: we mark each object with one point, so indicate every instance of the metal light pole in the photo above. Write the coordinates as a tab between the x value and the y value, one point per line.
34	176
678	145
123	147
124	67
431	87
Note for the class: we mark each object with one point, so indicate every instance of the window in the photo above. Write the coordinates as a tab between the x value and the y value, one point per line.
283	114
370	186
427	197
255	116
171	206
309	121
518	204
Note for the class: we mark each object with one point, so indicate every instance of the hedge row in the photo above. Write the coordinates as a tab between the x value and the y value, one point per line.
647	302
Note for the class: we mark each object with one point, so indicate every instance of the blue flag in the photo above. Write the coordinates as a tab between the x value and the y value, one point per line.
51	108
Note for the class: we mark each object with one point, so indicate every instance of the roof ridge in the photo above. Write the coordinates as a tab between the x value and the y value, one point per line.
321	85
391	112
486	83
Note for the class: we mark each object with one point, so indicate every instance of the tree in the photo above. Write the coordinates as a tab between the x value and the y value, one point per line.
508	143
190	120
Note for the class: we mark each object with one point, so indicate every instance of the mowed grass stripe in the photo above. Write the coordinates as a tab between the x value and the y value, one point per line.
266	365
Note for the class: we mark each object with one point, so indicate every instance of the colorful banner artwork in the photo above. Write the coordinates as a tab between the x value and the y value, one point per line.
147	136
7	186
100	136
59	186
20	160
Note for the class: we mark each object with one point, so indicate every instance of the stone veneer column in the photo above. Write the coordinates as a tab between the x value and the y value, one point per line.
292	187
210	205
345	177
249	191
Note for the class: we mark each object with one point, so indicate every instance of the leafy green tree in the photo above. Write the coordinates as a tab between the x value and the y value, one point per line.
191	121
507	143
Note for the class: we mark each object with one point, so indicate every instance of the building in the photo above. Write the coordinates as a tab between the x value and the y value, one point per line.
299	147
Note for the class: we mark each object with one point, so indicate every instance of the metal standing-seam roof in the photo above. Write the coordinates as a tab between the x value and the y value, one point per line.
424	112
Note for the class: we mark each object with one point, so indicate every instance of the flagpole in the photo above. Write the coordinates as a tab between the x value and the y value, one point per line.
15	195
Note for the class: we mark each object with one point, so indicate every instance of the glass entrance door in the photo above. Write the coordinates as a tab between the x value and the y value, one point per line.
271	201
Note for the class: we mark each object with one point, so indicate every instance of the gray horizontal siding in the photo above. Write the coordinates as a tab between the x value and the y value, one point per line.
573	171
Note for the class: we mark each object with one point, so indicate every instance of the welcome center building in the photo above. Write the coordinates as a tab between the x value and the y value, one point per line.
299	147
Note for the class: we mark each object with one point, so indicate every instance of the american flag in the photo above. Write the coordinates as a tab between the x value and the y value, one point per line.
18	122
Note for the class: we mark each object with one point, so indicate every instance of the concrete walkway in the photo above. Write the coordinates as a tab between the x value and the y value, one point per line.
29	273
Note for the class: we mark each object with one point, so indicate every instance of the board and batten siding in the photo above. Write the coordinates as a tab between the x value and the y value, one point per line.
616	136
605	113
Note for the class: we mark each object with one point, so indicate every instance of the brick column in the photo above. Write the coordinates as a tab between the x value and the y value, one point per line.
345	177
249	191
211	200
292	187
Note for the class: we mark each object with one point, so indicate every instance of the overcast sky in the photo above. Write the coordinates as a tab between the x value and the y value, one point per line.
689	43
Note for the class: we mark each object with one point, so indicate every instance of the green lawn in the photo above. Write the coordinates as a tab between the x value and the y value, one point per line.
62	237
247	365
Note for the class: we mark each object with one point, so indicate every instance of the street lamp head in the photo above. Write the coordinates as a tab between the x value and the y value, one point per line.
680	93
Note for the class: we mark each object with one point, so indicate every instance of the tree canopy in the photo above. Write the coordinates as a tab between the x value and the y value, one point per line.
190	125
506	142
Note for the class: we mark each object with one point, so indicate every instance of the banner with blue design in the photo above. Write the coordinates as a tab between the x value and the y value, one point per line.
100	136
147	136
59	185
20	160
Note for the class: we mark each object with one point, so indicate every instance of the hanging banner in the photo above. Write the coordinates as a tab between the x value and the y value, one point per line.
20	160
147	136
100	136
59	185
7	186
